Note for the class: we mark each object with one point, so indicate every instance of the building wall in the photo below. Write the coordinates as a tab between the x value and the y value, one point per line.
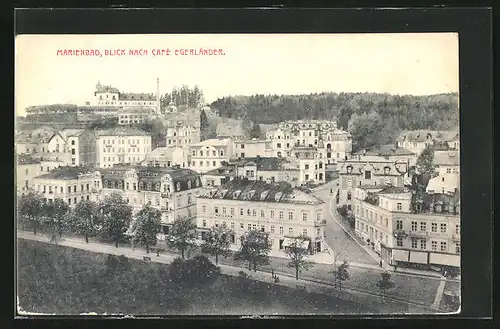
273	218
311	170
72	191
205	158
113	150
251	149
433	239
25	175
126	118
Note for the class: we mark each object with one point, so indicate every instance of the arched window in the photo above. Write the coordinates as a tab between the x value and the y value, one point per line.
72	142
149	186
157	187
349	196
141	185
189	184
178	186
105	183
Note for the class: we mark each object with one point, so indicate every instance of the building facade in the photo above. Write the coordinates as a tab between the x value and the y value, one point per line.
370	171
121	145
406	235
71	184
173	191
210	154
81	145
167	157
277	209
417	140
27	168
251	148
133	115
112	97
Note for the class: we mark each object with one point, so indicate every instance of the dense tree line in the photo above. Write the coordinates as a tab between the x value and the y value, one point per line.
183	96
372	119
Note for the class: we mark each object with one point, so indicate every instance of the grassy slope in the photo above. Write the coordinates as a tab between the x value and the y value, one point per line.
62	280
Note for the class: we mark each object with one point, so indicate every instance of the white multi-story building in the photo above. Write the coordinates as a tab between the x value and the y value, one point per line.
311	166
182	127
173	190
251	148
391	153
330	142
210	154
121	145
417	140
405	231
71	184
81	145
112	97
133	115
41	140
167	157
277	209
27	168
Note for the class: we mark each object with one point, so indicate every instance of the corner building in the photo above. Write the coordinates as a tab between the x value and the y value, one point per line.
275	208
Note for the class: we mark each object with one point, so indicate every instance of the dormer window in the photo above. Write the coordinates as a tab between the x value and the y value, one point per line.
178	186
189	184
368	174
277	196
387	170
263	195
236	194
349	169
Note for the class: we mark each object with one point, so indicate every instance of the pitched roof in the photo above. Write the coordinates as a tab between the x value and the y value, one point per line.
221	171
135	110
213	142
448	183
264	163
260	191
423	135
137	97
103	89
446	158
386	151
378	168
67	173
23	159
122	131
71	132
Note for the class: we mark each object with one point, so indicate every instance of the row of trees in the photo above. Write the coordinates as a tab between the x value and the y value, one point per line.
183	96
112	220
372	119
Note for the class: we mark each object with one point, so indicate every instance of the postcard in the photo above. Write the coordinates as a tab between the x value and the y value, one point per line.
238	174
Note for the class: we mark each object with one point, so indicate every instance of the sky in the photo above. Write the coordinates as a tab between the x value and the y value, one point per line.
417	64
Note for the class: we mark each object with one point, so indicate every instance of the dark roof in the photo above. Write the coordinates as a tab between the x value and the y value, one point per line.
260	191
446	158
378	168
67	173
394	190
386	151
23	159
423	135
221	171
102	89
263	163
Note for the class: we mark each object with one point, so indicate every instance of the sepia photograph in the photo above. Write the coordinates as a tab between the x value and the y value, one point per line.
237	174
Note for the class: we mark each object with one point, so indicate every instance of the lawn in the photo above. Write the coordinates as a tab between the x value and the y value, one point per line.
66	281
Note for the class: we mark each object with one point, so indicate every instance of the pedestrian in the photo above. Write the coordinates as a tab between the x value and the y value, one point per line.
277	279
272	272
157	252
380	263
395	267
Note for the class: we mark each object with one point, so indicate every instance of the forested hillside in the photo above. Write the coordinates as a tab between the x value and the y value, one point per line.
371	118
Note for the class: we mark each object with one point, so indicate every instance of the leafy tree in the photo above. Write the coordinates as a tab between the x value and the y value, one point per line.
296	252
198	270
340	274
255	246
182	235
115	217
217	241
255	132
55	217
84	218
425	161
30	209
116	264
365	129
385	282
204	125
146	226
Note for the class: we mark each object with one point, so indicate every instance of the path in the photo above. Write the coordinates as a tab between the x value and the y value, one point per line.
439	293
360	295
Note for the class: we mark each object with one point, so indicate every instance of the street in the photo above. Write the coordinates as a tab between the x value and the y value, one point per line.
338	240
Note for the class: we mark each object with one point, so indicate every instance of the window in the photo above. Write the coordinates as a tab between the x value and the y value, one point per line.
386	222
306	167
249	226
224	210
272	213
423	226
434	245
216	210
444	247
254	213
248	212
290	215
204	223
281	229
242	225
272	228
290	230
232	212
423	244
254	227
262	228
413	226
448	170
304	216
434	227
348	195
399	206
262	214
281	214
457	249
399	242
443	227
399	225
304	232
457	229
368	174
414	243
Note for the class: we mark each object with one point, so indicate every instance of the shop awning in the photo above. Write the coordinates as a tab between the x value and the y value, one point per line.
400	255
290	242
418	257
444	259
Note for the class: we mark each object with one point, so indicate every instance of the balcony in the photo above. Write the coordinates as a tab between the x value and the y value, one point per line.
419	234
400	233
